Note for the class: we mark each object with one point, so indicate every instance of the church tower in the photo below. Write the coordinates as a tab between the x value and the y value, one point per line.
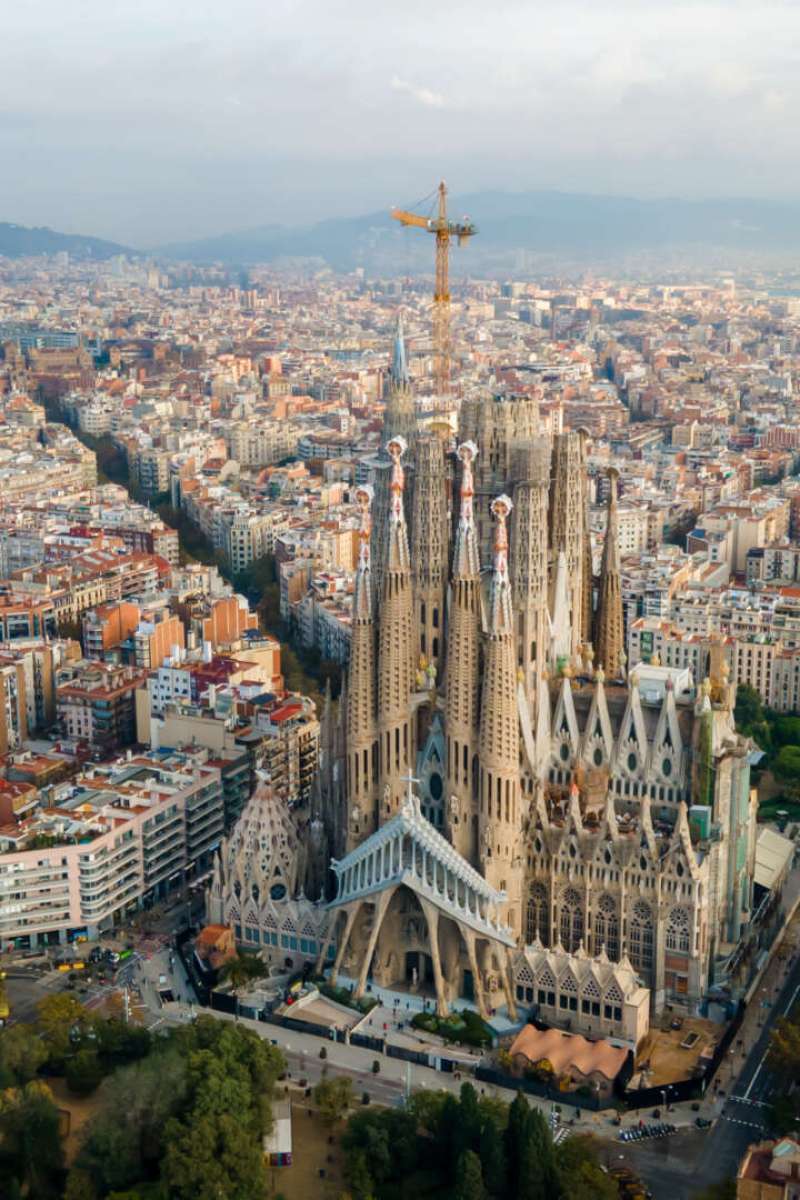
567	526
395	649
360	707
463	669
499	818
609	625
399	420
529	557
429	544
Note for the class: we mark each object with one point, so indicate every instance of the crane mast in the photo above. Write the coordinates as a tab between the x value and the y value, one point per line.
444	230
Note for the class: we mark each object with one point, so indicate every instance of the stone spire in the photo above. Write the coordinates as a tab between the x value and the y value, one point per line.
360	708
609	627
529	562
399	417
463	667
395	649
587	578
399	420
429	547
567	524
500	816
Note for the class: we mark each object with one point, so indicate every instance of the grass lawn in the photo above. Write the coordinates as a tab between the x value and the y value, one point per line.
310	1151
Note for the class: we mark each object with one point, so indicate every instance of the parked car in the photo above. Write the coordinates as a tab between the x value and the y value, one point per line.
702	1123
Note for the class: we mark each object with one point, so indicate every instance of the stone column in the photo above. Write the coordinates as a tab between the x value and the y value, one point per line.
432	919
469	942
505	973
352	911
381	905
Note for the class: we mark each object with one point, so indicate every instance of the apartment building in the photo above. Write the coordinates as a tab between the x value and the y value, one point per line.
96	705
122	838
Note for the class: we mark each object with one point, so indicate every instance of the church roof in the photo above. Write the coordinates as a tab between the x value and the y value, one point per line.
409	822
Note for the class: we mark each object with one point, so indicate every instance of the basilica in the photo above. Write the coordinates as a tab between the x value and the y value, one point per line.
496	782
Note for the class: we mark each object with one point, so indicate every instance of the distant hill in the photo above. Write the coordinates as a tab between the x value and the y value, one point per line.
589	228
19	241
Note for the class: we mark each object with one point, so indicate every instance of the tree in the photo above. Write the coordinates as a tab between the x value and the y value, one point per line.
357	1176
30	1142
63	1022
333	1097
469	1177
22	1053
242	969
212	1156
724	1190
784	1050
580	1174
492	1158
84	1071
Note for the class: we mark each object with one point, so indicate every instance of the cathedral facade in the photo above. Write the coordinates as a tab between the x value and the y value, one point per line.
495	777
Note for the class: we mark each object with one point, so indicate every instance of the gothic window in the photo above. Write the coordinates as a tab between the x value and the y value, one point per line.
597	756
606	927
568	996
538	914
571	920
678	930
590	998
640	938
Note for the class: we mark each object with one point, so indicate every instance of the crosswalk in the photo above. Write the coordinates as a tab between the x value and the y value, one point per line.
738	1121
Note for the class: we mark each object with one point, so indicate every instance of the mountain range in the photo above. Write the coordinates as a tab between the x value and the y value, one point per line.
19	241
567	228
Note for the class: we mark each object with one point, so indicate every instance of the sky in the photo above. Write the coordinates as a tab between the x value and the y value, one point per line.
161	120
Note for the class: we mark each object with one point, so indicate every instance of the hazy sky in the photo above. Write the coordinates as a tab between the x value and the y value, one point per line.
164	119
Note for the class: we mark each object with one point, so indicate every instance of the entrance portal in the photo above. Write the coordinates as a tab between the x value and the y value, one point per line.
419	969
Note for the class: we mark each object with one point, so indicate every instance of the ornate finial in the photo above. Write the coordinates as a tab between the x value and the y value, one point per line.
396	448
500	508
520	675
364	497
634	678
705	687
600	675
467	452
668	684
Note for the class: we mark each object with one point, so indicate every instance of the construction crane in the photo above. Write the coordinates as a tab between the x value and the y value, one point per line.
444	230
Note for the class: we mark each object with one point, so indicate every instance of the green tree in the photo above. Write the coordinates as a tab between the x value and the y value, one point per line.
242	969
214	1156
580	1174
333	1097
30	1142
724	1190
469	1177
84	1071
515	1134
357	1176
63	1022
22	1053
784	1048
492	1158
470	1117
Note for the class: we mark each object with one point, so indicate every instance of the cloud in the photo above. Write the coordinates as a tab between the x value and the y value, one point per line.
422	95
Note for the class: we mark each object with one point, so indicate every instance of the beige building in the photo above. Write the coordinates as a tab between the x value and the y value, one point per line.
770	1171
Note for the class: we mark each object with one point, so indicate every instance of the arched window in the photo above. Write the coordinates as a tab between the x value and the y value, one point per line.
538	921
571	920
678	930
640	938
606	927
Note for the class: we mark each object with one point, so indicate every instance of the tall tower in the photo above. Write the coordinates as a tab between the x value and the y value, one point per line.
609	624
429	543
499	817
395	649
463	670
567	524
529	560
361	724
399	420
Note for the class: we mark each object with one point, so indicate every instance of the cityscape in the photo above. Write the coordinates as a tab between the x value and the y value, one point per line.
400	641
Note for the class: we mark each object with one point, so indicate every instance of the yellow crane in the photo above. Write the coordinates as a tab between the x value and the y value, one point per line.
444	230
